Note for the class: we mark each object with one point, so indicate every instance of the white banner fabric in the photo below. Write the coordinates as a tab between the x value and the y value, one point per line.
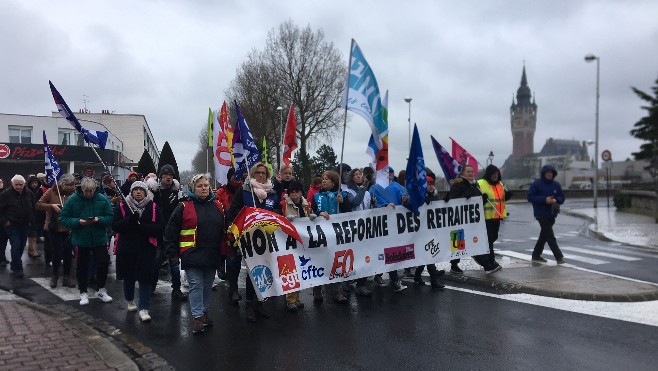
363	243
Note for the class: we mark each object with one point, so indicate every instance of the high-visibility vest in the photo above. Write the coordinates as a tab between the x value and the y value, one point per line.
188	231
496	194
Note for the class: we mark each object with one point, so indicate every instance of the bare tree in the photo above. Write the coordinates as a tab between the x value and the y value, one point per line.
296	66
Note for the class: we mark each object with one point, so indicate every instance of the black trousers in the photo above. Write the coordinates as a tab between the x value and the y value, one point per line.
61	251
547	236
102	262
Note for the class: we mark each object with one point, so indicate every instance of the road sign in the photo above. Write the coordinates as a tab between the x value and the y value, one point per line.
4	151
606	155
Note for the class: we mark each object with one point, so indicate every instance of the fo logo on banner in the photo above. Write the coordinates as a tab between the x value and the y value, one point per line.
343	264
263	277
288	272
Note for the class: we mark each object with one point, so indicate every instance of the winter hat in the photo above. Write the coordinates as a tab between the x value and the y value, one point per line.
295	186
139	184
167	169
41	176
390	170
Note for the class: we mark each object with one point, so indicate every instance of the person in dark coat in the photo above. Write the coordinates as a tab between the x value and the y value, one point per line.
35	230
125	187
16	215
3	237
194	235
139	224
546	196
465	186
165	195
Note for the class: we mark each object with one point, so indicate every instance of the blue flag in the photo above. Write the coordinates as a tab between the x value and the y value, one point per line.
416	177
245	151
449	165
53	171
98	138
362	94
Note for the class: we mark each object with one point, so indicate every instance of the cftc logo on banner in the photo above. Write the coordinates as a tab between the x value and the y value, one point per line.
262	277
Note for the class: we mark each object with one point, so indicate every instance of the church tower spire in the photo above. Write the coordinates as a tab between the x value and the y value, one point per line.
523	120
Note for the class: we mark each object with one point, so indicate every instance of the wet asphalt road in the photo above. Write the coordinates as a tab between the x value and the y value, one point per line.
421	328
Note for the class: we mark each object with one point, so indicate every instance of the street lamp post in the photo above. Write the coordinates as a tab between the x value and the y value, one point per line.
280	147
591	58
408	100
491	158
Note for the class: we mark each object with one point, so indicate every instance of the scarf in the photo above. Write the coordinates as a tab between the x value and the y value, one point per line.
261	190
141	205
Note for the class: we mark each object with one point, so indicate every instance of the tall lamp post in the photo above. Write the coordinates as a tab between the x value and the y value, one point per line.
591	58
280	147
408	100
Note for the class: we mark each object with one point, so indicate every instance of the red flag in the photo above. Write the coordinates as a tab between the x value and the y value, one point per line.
290	138
463	157
251	217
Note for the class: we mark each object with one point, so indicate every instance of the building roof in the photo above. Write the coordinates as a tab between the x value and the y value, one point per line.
563	147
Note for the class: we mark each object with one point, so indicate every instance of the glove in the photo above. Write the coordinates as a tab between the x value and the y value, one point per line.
508	195
290	217
485	197
312	217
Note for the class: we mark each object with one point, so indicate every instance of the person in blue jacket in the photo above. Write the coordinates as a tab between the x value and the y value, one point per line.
546	196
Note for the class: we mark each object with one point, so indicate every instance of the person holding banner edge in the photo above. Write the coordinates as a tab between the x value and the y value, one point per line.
492	187
257	192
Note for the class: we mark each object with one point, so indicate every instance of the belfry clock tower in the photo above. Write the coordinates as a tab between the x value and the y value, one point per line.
524	121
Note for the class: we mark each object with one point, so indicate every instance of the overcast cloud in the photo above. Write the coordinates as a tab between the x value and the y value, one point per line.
461	63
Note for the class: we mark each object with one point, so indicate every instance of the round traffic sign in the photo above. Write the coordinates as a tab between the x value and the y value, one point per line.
606	155
4	150
88	172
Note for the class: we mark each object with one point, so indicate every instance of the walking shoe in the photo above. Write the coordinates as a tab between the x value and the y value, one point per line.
379	281
36	255
317	294
299	304
340	298
561	261
68	281
455	269
206	320
197	326
144	315
221	272
18	274
102	294
84	298
539	259
407	273
436	283
398	286
418	279
132	307
250	311
177	294
363	291
53	280
235	297
292	307
493	270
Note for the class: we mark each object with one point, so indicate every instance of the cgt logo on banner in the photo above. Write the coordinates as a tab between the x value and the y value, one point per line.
360	244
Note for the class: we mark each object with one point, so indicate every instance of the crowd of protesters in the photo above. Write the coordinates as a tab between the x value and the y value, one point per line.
155	225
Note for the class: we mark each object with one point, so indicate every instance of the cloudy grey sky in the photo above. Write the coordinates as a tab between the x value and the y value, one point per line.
460	61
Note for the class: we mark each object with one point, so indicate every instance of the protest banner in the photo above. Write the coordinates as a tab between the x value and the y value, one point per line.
361	244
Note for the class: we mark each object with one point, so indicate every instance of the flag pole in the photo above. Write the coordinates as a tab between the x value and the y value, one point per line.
58	194
347	96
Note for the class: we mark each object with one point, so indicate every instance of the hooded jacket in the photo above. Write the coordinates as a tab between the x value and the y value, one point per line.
80	207
497	195
542	188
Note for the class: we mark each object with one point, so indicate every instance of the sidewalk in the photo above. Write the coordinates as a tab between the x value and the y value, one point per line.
33	337
567	281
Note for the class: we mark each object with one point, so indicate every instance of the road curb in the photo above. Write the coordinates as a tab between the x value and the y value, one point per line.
518	288
600	235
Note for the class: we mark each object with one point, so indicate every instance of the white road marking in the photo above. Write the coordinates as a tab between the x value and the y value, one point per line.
579	258
599	253
638	312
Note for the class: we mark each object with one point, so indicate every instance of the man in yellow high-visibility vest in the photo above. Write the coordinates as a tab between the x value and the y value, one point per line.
494	196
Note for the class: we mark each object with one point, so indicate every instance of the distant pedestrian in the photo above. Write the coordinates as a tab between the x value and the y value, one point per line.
139	226
194	235
35	230
16	215
546	196
88	213
51	202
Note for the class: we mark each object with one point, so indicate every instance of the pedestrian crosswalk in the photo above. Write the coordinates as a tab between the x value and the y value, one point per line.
585	255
